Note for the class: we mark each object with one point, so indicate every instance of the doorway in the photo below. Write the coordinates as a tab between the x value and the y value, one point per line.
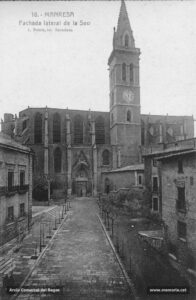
81	188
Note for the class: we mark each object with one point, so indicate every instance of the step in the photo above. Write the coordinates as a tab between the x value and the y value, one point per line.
5	262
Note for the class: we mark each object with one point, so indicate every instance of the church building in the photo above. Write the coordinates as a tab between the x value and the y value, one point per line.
72	148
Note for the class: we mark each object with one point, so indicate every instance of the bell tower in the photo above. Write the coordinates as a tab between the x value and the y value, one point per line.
125	127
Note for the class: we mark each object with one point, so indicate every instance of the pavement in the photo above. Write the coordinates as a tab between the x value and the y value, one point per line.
79	263
16	258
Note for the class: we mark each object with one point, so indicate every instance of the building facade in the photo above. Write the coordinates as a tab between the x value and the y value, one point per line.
73	148
15	189
179	204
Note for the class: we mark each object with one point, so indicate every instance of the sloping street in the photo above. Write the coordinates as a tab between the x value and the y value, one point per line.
80	260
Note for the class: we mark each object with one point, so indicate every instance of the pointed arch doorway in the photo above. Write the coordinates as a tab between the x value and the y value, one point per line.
81	180
81	187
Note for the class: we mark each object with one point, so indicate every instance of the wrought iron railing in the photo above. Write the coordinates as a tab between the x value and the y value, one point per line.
9	190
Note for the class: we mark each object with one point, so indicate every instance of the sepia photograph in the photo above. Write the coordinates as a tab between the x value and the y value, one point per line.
97	150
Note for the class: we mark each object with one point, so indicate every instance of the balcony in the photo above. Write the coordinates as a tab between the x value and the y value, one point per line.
12	190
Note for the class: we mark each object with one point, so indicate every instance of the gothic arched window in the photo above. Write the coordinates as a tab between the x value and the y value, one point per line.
78	130
56	128
57	160
124	72
100	130
131	72
38	128
128	116
126	41
106	157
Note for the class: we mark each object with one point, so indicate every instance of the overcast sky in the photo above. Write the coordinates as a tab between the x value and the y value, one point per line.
69	69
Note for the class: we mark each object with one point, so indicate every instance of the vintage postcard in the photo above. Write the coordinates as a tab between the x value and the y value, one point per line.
97	150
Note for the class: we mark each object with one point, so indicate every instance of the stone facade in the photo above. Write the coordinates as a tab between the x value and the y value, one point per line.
174	167
15	189
72	148
179	203
126	177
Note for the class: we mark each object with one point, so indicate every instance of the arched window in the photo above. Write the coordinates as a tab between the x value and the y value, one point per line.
100	130
112	98
57	160
38	128
126	41
78	130
106	157
124	72
56	128
131	72
128	116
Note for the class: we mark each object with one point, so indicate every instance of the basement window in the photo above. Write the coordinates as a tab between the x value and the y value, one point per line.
10	214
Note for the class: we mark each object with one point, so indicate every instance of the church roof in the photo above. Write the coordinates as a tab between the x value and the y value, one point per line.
138	167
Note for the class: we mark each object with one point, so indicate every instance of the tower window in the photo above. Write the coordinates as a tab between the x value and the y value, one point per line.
106	157
38	128
100	130
124	72
78	130
57	160
126	41
56	128
128	116
112	98
131	72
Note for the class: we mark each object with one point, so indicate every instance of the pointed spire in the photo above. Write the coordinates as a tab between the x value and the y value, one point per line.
123	30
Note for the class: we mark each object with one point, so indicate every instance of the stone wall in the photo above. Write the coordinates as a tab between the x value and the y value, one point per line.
170	214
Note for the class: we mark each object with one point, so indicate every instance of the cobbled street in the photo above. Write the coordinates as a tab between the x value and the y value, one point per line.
79	259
